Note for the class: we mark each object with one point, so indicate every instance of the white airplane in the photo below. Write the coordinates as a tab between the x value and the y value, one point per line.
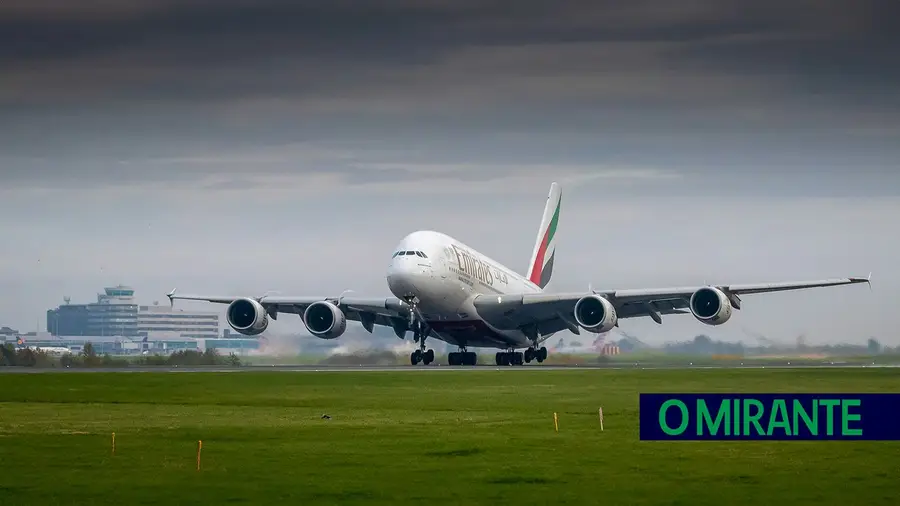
445	289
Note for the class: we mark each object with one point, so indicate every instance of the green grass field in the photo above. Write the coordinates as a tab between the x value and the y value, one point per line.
445	437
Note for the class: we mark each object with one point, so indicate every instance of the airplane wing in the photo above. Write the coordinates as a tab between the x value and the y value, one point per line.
545	313
388	312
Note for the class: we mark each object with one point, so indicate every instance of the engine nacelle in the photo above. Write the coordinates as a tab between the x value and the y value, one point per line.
324	320
595	314
711	306
247	317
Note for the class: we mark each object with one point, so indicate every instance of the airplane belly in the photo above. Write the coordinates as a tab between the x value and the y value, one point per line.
476	333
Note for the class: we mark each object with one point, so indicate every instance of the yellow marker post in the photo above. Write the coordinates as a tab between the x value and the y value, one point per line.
600	412
556	422
199	449
113	443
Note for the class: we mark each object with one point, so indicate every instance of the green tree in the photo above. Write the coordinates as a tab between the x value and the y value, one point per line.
26	357
7	354
210	356
90	355
68	360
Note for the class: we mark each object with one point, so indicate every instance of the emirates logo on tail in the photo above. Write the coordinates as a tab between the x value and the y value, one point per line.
541	266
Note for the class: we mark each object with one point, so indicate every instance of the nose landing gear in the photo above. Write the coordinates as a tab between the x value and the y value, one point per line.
420	333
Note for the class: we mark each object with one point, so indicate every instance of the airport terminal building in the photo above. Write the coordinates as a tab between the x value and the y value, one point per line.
114	314
117	324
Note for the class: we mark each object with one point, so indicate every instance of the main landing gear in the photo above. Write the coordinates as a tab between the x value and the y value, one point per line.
426	357
518	358
462	357
509	358
532	354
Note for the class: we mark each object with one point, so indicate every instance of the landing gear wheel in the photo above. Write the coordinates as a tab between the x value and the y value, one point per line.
462	358
541	354
509	358
420	333
529	355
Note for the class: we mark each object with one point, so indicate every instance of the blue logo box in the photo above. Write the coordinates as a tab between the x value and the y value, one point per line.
774	417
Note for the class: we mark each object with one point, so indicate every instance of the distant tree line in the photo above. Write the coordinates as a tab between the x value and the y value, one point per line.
88	357
703	345
190	358
10	356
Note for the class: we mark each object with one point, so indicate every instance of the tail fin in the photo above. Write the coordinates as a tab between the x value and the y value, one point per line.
541	266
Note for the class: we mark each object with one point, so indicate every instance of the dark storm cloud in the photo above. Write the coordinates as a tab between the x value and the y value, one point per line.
137	91
321	38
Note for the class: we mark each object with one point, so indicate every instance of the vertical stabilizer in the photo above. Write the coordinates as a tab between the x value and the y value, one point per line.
541	266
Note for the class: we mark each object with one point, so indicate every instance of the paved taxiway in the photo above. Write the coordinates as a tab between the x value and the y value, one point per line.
399	368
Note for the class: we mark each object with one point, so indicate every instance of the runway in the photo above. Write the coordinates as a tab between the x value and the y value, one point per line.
409	368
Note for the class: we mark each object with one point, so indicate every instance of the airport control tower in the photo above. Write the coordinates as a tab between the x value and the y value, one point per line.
114	314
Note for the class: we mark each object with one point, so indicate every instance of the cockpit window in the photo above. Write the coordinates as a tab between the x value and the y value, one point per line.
404	253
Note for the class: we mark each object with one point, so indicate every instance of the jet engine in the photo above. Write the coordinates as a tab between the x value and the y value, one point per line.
711	306
324	320
247	317
595	314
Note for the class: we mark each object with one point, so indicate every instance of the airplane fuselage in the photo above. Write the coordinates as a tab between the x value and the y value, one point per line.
443	276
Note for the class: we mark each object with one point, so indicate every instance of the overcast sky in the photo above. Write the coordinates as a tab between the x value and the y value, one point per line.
240	146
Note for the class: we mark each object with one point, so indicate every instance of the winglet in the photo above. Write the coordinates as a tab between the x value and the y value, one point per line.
867	280
171	296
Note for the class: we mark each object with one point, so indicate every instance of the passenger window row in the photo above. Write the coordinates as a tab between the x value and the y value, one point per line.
416	253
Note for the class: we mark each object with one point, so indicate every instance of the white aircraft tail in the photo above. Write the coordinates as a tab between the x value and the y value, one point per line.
540	268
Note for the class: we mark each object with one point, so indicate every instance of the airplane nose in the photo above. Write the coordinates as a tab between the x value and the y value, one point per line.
406	278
